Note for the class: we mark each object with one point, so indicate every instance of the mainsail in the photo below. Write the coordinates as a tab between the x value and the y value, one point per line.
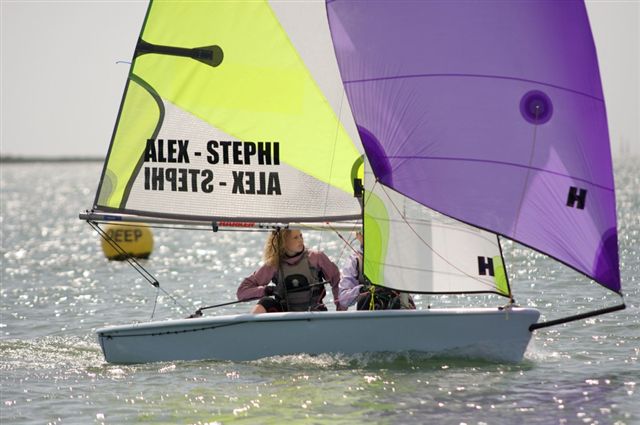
233	110
488	112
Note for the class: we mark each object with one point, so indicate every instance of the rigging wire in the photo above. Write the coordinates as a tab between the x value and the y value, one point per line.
333	152
155	303
333	156
136	266
346	243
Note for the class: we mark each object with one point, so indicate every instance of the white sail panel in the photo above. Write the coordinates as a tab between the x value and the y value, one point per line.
225	190
411	248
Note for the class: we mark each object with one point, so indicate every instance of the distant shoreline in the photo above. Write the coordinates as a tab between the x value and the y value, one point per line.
26	159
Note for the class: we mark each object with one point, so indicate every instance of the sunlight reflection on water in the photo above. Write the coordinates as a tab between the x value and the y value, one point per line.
57	288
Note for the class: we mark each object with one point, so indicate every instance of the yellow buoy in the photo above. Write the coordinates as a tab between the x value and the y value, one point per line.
134	238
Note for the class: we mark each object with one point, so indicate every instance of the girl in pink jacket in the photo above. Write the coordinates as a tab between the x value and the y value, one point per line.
299	276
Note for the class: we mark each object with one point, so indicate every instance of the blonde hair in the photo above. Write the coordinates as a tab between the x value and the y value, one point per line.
274	248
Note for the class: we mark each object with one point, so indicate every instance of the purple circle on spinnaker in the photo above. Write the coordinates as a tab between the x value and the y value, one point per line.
536	107
377	156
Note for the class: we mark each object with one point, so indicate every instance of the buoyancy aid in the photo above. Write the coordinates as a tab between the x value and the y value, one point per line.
297	286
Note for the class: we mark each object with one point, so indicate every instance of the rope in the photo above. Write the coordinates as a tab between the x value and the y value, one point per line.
136	266
372	304
155	303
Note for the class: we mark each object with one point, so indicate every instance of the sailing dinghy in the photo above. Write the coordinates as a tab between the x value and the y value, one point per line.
440	127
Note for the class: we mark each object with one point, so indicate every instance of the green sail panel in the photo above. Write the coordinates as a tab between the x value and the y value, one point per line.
141	115
266	134
376	226
411	248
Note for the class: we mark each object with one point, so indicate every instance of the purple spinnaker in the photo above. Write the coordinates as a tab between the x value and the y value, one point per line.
491	113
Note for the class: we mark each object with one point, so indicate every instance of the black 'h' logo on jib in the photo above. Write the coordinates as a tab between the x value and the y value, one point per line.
485	264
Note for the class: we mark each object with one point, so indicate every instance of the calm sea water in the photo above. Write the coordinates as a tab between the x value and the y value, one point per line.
57	288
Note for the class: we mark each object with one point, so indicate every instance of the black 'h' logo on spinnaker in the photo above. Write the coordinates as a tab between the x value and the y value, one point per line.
577	197
210	55
485	264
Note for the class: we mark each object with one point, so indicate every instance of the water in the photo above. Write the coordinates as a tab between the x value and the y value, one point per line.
57	288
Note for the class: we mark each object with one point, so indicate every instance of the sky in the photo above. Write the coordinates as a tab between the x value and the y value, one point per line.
61	83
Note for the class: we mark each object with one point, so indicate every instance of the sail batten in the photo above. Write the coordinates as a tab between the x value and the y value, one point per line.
498	77
509	164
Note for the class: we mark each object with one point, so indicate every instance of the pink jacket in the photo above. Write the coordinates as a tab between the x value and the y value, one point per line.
254	285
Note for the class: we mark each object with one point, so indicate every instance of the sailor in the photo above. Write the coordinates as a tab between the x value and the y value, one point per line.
354	287
299	276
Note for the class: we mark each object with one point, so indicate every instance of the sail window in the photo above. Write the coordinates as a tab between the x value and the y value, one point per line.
377	156
536	107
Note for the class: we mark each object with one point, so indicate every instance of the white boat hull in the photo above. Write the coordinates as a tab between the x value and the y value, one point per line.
487	333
